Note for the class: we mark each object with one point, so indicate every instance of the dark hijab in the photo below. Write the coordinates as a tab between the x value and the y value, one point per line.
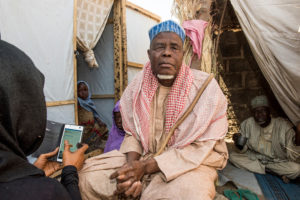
22	113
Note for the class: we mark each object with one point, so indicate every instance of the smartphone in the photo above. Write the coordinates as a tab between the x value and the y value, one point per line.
73	134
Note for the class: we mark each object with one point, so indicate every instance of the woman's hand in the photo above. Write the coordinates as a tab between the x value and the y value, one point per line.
76	158
49	167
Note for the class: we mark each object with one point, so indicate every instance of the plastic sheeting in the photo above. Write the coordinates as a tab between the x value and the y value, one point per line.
132	71
138	41
64	114
101	80
44	31
271	28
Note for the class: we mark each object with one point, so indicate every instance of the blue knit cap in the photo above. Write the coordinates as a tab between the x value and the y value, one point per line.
167	26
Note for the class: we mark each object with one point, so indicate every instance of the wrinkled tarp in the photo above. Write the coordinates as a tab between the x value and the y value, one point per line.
44	31
271	28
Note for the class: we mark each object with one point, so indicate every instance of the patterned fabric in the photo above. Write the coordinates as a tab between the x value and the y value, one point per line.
92	16
175	103
259	101
93	134
195	31
274	188
166	26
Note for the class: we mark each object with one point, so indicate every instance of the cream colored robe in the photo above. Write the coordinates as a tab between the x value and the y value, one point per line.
271	147
186	173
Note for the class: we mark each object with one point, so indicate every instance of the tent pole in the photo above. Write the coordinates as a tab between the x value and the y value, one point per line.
59	103
120	48
74	60
220	25
117	46
124	45
143	11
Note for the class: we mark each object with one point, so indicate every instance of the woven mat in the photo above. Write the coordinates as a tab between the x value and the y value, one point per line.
275	189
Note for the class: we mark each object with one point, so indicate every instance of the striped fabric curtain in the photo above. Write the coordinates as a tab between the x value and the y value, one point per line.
92	16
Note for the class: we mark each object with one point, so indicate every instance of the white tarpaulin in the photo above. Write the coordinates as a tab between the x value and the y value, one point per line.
137	27
272	30
44	31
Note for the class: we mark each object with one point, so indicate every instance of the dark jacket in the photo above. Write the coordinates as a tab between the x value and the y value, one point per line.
22	129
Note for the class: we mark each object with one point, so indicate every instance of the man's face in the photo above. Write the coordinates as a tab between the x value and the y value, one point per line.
262	115
166	54
83	91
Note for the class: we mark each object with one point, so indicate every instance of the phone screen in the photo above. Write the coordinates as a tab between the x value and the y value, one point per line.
73	136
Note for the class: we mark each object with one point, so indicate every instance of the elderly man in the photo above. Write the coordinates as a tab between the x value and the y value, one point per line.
270	143
150	106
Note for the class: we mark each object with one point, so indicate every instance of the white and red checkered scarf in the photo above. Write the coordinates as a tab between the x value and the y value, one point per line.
142	103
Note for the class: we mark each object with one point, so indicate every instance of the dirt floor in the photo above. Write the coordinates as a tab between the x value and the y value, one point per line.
230	185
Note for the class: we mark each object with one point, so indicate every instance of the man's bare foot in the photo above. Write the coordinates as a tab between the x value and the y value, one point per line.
285	179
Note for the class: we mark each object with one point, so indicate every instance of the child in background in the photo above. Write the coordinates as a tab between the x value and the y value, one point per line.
94	128
116	133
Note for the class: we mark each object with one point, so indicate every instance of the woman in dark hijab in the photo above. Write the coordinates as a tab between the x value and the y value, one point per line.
22	129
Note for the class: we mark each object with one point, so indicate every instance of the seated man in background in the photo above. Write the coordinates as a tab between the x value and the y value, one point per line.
269	143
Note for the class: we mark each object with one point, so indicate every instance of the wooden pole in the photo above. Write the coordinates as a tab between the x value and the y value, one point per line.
59	103
134	64
117	47
124	47
102	96
120	48
74	60
143	11
220	25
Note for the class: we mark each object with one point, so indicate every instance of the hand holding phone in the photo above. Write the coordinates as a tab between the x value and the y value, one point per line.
48	166
74	158
73	134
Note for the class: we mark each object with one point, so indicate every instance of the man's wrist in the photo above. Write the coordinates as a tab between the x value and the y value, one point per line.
150	166
145	164
132	156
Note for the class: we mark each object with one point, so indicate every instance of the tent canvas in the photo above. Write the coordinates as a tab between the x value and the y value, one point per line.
44	31
272	31
137	37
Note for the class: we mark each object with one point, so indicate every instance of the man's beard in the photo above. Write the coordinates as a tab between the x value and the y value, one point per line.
261	122
165	77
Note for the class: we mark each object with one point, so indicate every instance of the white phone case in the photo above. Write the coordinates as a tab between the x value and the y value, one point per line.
69	127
